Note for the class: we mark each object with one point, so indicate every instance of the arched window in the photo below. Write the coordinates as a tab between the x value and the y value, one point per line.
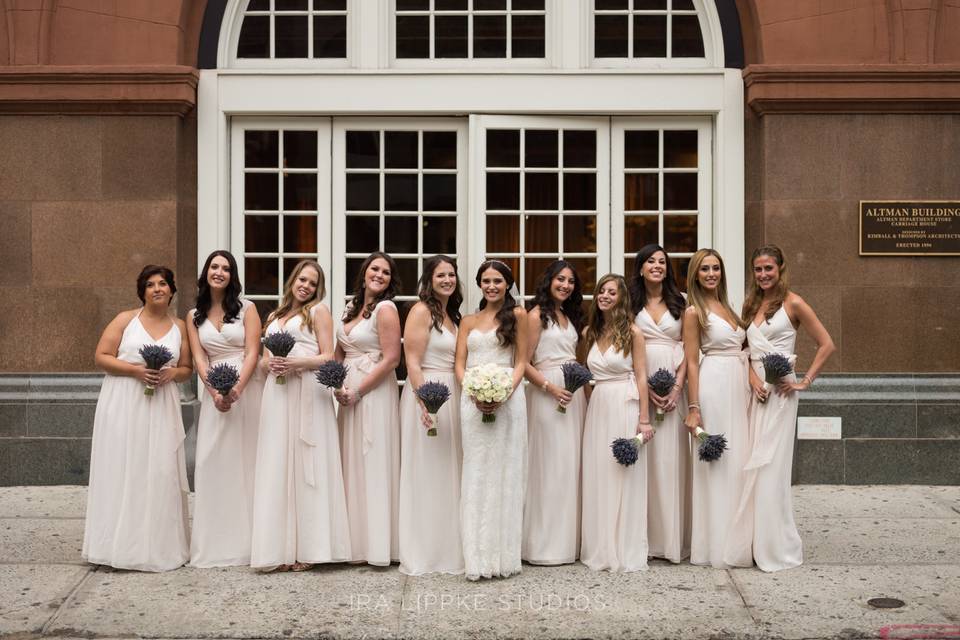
653	30
293	29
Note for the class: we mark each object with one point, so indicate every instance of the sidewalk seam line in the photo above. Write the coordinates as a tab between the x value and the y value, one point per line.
736	587
67	601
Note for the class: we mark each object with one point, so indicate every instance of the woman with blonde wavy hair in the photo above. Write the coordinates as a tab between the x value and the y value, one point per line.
718	394
299	508
614	512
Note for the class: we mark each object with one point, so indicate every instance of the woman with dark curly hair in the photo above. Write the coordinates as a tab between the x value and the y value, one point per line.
368	342
551	511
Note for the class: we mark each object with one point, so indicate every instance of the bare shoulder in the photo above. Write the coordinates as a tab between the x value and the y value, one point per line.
125	317
180	324
519	312
690	312
468	321
320	310
635	330
534	314
419	311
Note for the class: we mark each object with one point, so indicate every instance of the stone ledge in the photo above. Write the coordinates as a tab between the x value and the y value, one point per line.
903	388
72	388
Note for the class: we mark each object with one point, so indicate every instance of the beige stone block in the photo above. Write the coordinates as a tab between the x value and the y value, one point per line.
65	324
92	244
826	303
49	157
85	36
795	164
15	252
140	157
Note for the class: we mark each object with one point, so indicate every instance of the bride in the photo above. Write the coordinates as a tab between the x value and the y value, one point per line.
494	454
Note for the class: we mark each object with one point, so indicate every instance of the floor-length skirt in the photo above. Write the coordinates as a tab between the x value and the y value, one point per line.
370	442
224	479
614	521
718	485
299	510
137	502
429	522
551	511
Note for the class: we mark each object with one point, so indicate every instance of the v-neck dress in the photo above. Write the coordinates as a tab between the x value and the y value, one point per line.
137	501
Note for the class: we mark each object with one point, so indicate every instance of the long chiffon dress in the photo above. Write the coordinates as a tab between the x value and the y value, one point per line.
370	441
718	485
551	512
226	456
137	501
668	454
299	509
767	502
614	526
430	470
494	471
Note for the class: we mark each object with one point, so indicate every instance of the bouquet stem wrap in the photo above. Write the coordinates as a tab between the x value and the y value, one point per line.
488	383
711	446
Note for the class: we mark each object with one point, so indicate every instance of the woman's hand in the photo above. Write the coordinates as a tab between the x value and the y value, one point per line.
234	394
693	420
279	366
644	429
757	386
487	407
658	401
561	395
222	404
346	396
164	376
670	401
786	387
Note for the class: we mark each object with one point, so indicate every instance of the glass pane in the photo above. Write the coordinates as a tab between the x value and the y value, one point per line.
587	270
611	34
541	149
408	273
290	37
413	36
450	37
489	5
527	5
289	264
260	234
254	40
261	191
687	41
363	149
300	192
400	149
579	234
400	234
579	148
490	37
503	148
680	234
649	36
290	5
300	149
527	37
503	234
680	268
503	191
680	191
440	192
640	149
639	231
413	5
363	234
400	192
439	150
533	269
439	234
680	149
640	192
261	148
329	36
541	234
513	263
650	5
450	5
300	234
580	191
542	191
260	276
259	5
363	192
329	5
265	308
683	5
350	275
617	5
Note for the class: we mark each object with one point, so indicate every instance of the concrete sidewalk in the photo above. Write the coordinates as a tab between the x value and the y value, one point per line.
860	542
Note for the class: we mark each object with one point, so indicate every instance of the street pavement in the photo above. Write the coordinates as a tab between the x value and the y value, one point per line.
860	543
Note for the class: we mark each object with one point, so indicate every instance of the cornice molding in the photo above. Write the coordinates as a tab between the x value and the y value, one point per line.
893	88
162	90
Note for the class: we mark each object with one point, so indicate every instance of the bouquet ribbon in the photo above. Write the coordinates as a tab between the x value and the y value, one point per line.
632	392
364	363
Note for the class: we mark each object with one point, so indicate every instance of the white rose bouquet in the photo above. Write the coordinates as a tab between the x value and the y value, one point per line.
488	383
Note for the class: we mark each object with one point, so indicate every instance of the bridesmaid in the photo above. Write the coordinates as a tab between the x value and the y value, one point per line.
773	313
224	329
137	501
718	396
430	465
614	534
551	514
368	342
299	509
658	306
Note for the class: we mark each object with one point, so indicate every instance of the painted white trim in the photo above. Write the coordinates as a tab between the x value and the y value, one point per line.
729	220
213	166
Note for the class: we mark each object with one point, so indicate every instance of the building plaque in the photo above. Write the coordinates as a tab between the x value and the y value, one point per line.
909	228
819	428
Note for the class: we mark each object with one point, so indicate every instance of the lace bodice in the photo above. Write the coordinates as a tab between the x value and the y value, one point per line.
484	347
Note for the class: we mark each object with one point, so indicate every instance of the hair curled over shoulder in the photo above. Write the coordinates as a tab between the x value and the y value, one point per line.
231	298
148	272
506	321
355	307
755	294
429	297
671	292
572	307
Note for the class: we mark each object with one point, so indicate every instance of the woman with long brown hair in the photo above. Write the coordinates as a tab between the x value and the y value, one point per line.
718	393
614	521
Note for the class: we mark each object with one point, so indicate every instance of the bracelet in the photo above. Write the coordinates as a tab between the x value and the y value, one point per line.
545	384
646	423
677	386
693	405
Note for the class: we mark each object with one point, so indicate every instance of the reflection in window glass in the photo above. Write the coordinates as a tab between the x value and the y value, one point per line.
633	29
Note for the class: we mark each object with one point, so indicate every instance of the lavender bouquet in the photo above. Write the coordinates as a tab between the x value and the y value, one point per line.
280	344
331	374
626	451
711	446
661	383
433	395
776	366
155	356
223	378
575	375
